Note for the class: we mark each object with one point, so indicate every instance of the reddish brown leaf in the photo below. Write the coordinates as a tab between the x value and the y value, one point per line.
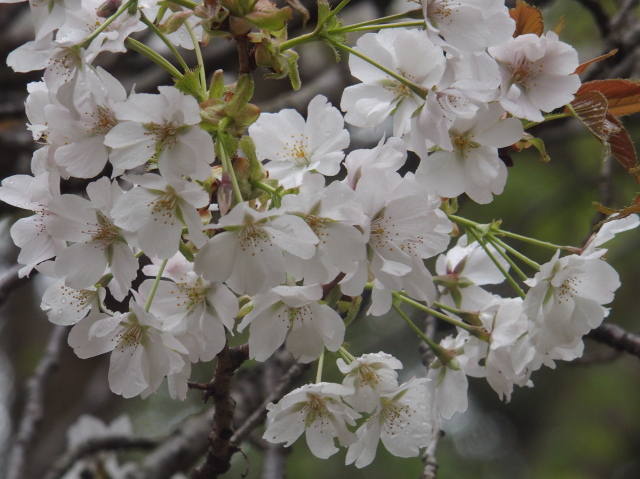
591	109
581	68
623	213
623	95
622	148
528	19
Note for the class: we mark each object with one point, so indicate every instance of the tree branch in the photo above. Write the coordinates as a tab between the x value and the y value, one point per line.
617	338
93	446
259	415
430	470
182	449
427	356
33	410
221	448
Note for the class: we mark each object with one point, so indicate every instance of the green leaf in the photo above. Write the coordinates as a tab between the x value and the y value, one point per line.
189	84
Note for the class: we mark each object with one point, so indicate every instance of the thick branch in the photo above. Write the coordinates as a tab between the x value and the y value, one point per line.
33	410
221	448
185	446
617	338
260	413
93	446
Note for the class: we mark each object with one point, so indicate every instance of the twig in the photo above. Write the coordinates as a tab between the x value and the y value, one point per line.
221	448
617	338
33	410
430	470
275	455
96	445
185	446
260	413
427	355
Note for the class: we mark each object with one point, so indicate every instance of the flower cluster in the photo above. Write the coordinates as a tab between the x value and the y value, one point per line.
241	228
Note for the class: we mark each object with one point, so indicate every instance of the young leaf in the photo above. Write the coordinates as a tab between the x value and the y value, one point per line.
622	148
581	68
623	95
528	19
591	109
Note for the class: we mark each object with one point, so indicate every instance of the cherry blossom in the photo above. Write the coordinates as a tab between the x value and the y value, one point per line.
316	409
537	74
296	146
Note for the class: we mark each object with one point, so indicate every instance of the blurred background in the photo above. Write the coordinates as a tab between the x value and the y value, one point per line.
580	421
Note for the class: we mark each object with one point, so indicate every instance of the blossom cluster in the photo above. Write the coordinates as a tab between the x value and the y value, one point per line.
246	232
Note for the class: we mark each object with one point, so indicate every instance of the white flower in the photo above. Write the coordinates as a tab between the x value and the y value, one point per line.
155	211
410	54
296	147
566	298
248	255
402	421
369	375
469	25
537	74
190	305
606	233
163	126
67	306
142	354
32	193
448	383
505	322
403	226
293	310
316	409
84	123
387	155
332	214
461	272
98	243
473	166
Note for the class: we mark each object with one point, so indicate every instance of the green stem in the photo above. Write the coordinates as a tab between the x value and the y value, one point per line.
106	23
152	293
265	187
185	3
390	18
465	222
320	365
506	257
417	89
555	116
301	40
158	59
415	328
435	313
533	241
228	167
196	48
346	355
365	28
517	254
165	40
504	272
334	12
